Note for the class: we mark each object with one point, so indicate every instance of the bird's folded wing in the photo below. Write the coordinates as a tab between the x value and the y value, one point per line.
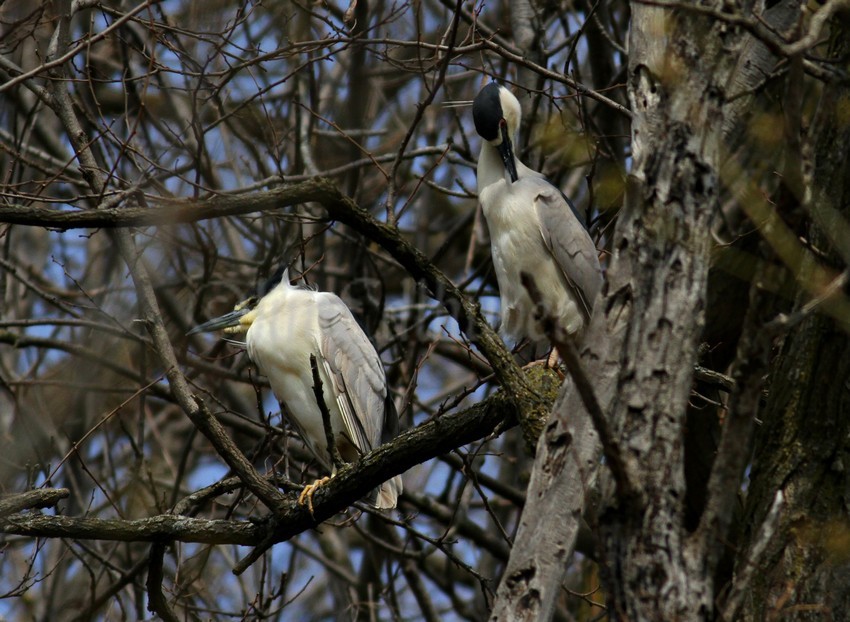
570	244
357	373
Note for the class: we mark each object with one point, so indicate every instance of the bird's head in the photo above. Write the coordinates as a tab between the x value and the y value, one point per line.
240	319
497	114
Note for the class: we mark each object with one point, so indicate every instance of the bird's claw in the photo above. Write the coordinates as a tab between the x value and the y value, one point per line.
306	495
550	362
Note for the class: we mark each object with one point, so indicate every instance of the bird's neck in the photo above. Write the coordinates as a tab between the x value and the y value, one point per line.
491	169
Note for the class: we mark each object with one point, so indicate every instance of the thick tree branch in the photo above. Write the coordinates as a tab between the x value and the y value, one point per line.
353	482
153	529
168	212
724	484
467	312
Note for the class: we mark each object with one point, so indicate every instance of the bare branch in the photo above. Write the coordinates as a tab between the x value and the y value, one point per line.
40	498
336	459
152	529
157	603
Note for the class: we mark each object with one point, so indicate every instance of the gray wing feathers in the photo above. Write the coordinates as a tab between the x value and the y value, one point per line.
570	244
357	373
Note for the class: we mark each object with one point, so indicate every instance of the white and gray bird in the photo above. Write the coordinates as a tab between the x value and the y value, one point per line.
284	325
532	227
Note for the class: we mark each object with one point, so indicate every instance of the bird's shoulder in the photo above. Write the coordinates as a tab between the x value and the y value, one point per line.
544	191
331	308
329	300
341	331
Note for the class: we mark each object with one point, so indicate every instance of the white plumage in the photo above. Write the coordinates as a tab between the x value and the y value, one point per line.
283	328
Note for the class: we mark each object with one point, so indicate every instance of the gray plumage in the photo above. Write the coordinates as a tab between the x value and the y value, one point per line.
532	228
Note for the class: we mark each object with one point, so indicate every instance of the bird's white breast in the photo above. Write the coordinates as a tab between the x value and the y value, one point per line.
517	246
280	342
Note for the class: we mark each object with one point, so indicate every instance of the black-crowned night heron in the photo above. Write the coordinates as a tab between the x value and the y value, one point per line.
532	228
284	325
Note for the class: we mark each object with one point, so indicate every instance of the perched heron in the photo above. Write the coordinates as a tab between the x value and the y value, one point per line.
284	325
533	228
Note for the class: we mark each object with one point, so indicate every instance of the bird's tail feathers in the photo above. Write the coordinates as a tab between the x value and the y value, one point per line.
387	495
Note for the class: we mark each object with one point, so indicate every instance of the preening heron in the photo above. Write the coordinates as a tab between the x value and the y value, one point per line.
284	325
532	228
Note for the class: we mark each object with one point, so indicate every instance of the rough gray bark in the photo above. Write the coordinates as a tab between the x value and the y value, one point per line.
656	569
663	255
564	471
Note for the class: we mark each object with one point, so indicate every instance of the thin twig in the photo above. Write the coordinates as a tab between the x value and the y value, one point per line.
420	112
714	378
336	459
60	60
157	602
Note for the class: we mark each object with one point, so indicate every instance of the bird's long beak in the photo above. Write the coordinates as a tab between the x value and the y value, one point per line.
506	148
227	321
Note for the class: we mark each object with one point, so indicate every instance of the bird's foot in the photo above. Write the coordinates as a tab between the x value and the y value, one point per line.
550	362
306	495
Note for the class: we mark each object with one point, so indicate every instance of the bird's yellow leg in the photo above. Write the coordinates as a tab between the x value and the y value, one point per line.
550	362
306	495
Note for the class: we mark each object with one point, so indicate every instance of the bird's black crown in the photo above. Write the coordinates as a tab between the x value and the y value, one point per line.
487	112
